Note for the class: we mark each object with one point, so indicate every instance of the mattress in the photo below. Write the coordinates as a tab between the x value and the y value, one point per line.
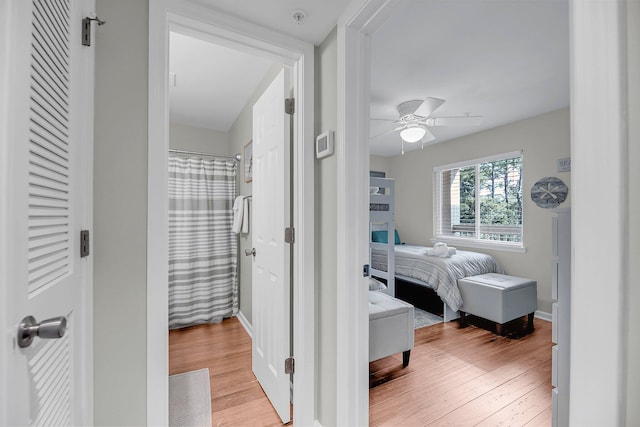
440	274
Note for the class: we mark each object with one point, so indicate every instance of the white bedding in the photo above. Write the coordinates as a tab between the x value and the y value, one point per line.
440	274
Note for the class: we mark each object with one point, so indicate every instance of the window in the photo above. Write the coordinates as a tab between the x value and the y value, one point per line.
480	200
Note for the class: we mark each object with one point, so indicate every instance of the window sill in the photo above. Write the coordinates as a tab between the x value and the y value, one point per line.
480	244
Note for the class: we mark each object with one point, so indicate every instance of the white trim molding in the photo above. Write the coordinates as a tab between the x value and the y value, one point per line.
158	219
598	143
192	18
360	19
543	315
245	324
5	163
479	244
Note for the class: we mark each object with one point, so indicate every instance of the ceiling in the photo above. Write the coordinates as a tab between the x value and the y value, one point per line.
502	59
322	15
505	60
199	98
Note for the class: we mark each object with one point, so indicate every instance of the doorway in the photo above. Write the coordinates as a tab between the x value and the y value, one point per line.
212	91
241	97
455	92
194	19
590	100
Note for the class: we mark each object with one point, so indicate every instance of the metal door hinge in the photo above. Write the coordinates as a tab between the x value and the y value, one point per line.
84	243
290	235
86	29
289	365
289	106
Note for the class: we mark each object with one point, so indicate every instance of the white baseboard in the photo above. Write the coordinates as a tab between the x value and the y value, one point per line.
245	323
543	315
316	423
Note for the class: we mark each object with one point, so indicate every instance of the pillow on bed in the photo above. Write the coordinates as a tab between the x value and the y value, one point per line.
376	285
380	236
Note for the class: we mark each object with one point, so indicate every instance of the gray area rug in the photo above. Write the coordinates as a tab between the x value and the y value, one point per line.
190	399
424	318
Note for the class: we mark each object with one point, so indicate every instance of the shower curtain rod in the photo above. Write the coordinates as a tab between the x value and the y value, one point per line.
236	157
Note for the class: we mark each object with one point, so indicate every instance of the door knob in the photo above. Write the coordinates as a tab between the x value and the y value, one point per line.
249	252
50	328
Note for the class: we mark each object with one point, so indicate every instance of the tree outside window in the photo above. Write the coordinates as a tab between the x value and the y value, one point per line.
488	190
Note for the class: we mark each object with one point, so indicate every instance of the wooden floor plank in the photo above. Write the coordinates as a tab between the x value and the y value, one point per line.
543	419
523	410
499	398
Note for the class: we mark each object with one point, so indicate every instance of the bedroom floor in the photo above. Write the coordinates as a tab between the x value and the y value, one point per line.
465	377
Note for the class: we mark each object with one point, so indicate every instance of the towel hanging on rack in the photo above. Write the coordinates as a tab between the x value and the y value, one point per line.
241	215
245	216
238	211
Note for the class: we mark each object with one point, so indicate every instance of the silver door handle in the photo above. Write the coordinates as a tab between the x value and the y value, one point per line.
50	328
249	252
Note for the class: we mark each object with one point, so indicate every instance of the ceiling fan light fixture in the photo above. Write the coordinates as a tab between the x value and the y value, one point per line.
412	133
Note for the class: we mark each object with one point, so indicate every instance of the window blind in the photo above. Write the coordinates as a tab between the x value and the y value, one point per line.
480	199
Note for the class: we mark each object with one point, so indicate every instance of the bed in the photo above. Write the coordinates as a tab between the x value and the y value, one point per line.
440	274
391	260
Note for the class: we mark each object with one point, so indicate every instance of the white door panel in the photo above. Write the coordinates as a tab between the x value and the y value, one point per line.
271	268
47	141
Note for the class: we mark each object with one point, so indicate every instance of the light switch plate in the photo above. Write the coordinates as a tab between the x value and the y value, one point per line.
324	144
564	165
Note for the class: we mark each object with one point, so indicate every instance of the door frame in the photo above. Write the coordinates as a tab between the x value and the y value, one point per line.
598	88
4	188
356	24
231	31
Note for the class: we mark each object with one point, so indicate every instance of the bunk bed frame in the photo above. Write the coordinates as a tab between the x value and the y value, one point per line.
382	217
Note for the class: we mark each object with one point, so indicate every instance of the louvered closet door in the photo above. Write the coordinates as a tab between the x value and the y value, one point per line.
48	198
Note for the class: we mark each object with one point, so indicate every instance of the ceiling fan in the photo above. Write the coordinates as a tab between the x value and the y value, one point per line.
415	118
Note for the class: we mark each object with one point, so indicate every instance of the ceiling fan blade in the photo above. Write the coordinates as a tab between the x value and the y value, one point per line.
379	127
428	106
428	136
409	107
379	134
455	121
380	122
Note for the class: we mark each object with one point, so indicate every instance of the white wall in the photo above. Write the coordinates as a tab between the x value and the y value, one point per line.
543	139
380	164
633	297
190	138
239	135
120	213
325	233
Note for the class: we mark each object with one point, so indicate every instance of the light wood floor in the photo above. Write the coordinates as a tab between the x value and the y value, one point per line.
225	348
461	377
465	377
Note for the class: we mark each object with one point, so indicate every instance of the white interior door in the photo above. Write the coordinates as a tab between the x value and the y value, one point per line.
270	216
46	201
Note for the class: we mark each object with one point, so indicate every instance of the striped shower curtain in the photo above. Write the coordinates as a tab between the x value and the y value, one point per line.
203	282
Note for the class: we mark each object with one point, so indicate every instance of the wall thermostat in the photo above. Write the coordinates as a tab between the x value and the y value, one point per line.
324	144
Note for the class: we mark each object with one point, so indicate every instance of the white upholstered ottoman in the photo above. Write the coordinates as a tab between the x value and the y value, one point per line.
499	298
390	327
